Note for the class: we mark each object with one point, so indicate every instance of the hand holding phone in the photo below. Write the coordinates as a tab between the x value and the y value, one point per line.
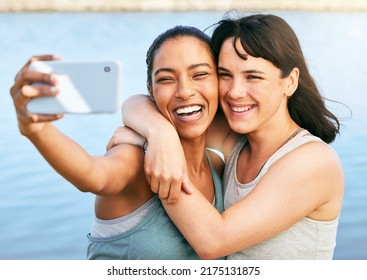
85	87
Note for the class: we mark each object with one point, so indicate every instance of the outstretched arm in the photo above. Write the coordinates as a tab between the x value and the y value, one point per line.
100	175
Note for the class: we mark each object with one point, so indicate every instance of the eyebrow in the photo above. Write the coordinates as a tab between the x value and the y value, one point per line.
191	67
245	72
198	65
163	70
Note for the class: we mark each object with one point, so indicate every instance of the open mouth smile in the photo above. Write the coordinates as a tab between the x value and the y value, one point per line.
188	111
241	109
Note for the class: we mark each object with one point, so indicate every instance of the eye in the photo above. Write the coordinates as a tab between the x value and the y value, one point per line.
224	75
254	77
164	80
200	75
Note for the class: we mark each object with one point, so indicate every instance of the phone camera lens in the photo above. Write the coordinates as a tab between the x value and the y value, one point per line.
107	69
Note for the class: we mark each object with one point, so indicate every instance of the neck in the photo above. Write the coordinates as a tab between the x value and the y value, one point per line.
268	141
194	150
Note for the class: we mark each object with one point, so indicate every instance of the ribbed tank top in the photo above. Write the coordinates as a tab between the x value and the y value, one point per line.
307	239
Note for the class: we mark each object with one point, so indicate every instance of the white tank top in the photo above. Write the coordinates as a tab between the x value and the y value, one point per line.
307	239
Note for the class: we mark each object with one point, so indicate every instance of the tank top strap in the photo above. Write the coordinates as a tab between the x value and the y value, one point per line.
300	139
218	187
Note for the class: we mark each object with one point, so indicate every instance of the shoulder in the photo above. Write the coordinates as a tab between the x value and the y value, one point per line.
313	156
309	179
321	173
313	165
323	161
129	161
317	152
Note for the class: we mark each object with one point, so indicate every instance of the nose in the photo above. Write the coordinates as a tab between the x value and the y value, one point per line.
237	89
185	89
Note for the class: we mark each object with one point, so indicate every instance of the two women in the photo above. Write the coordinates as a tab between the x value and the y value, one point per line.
283	183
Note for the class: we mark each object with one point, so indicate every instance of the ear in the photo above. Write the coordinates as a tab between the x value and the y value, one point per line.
150	92
292	82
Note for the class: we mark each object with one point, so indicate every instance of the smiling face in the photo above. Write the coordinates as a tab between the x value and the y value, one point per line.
252	93
185	85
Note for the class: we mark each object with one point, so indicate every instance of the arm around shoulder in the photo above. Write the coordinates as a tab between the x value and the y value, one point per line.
165	173
141	114
308	182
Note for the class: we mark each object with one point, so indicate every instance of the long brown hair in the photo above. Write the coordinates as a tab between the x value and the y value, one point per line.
271	38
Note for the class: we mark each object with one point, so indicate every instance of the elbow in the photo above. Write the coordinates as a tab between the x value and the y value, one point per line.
130	102
89	188
103	191
104	187
212	245
207	256
83	190
84	186
108	189
210	251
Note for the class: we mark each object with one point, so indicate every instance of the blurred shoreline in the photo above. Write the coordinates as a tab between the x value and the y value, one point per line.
180	5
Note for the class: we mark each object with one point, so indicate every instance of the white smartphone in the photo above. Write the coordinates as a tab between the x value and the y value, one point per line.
85	87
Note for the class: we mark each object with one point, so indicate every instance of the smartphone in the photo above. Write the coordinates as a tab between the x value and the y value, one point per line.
85	88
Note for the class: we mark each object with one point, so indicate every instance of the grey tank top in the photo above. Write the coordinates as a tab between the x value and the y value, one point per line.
307	239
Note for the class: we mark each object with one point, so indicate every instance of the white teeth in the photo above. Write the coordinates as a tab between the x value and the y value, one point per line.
241	109
188	110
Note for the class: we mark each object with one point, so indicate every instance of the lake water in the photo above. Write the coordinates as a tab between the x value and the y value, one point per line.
42	216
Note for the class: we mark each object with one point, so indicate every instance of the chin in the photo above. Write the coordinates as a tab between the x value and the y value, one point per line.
239	128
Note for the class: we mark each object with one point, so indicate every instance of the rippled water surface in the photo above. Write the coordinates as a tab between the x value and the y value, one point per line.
42	216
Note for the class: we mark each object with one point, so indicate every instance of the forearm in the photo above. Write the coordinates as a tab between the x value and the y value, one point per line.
261	214
166	174
125	135
201	224
141	114
68	158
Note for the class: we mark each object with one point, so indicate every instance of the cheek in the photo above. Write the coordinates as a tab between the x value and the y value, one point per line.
163	93
209	89
223	87
222	92
213	101
162	103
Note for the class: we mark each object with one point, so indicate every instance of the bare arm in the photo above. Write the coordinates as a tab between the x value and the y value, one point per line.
141	114
125	135
283	196
101	175
165	174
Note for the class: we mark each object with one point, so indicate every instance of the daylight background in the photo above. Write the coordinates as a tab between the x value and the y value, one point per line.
44	217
